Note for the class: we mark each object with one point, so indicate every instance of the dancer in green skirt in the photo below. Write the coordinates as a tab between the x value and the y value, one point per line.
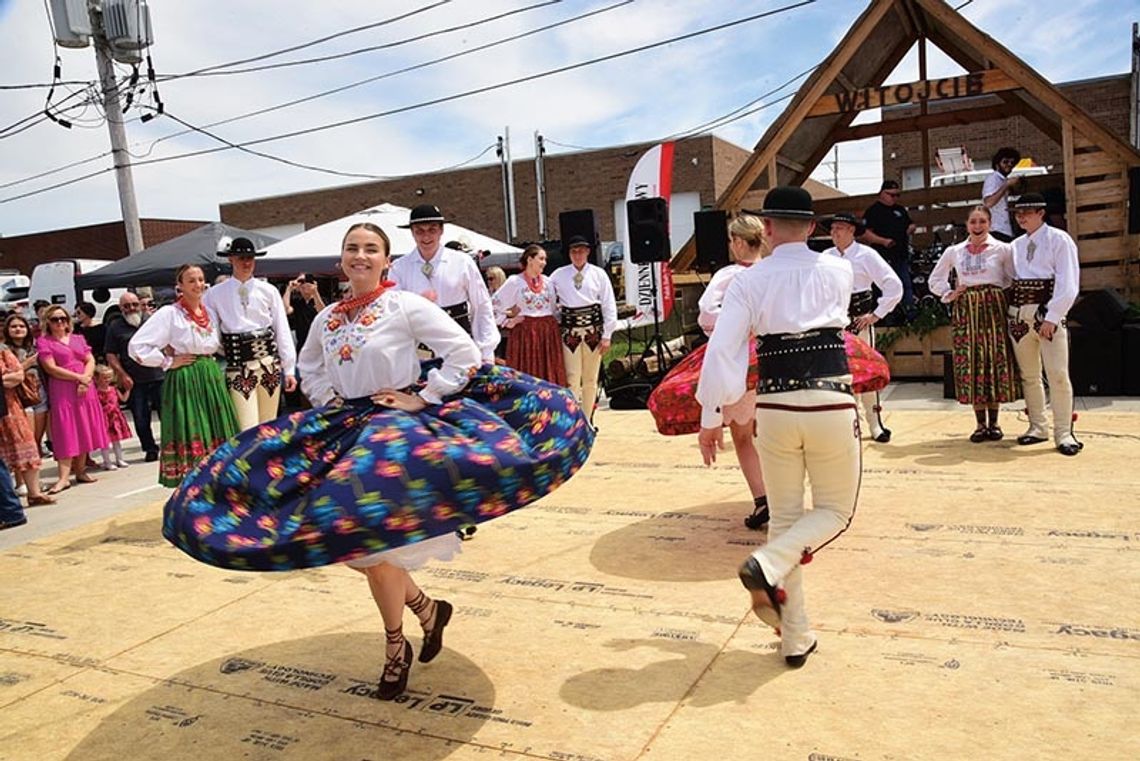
197	413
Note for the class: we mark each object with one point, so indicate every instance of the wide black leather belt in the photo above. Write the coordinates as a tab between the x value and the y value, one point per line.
799	361
589	316
461	314
1030	291
247	347
861	303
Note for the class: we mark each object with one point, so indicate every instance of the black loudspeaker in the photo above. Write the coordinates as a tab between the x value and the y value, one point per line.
579	222
648	230
711	231
1095	361
1099	310
1130	359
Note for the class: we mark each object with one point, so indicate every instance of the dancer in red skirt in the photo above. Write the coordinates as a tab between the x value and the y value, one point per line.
526	306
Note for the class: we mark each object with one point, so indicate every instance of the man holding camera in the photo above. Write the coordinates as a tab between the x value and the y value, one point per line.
888	231
996	190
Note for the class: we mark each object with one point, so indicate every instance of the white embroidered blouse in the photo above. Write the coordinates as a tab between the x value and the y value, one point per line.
516	292
170	326
377	350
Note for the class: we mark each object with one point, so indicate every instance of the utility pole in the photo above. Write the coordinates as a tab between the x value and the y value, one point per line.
512	219
503	171
540	183
114	113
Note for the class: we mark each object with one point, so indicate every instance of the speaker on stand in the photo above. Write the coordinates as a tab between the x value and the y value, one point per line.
649	244
711	233
580	222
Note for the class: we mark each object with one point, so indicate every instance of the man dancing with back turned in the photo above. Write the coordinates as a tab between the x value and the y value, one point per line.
795	303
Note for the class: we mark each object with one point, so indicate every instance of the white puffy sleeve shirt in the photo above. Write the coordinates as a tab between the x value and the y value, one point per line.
254	305
1055	256
595	288
377	350
454	279
170	326
515	292
793	290
870	268
713	297
992	266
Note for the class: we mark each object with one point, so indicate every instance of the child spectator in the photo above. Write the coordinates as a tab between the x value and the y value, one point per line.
111	397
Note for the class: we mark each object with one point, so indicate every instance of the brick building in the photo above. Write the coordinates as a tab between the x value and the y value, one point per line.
104	241
473	197
1106	99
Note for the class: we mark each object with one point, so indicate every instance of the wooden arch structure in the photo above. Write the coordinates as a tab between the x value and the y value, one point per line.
1096	162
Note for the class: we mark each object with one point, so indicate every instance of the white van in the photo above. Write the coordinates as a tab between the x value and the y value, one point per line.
13	291
54	282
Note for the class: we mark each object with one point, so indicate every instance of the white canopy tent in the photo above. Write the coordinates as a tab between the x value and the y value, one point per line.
318	250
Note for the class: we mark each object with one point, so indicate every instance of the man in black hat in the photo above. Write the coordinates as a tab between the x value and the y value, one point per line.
1046	282
888	231
996	190
588	314
260	356
869	269
448	277
795	302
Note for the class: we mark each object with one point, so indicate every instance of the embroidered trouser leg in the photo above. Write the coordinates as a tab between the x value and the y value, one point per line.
1031	351
870	401
823	444
255	388
582	367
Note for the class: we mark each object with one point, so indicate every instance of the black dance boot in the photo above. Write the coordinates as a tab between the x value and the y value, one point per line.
394	680
760	517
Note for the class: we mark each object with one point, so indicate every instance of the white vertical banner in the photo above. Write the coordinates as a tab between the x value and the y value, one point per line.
652	177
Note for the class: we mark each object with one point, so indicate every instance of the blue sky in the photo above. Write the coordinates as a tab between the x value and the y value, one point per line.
664	91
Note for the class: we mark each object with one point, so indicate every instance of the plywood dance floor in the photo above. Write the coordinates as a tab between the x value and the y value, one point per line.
983	605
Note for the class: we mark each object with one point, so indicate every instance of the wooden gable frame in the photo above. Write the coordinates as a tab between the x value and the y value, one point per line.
1096	162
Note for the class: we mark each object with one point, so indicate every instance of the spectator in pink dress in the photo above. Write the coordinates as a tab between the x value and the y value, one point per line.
111	399
78	425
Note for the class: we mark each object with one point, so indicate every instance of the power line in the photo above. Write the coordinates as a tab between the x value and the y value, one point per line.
294	48
368	80
311	167
439	100
370	49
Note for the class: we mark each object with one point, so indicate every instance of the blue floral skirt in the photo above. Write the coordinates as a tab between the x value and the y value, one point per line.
336	484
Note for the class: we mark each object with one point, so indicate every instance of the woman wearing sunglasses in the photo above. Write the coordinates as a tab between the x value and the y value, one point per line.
77	422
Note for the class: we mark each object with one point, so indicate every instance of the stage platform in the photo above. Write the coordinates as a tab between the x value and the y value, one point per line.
982	605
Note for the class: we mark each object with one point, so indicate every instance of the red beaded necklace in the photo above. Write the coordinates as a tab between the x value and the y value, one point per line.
535	284
351	303
201	319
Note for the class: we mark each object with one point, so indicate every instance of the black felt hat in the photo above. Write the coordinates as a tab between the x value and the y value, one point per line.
787	202
577	240
1030	201
238	247
843	216
425	213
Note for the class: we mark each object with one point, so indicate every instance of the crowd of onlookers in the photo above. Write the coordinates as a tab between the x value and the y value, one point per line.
64	388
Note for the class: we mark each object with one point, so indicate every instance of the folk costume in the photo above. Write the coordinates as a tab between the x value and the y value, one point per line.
869	268
795	303
588	315
985	371
1046	281
673	403
256	339
354	481
197	412
452	280
535	347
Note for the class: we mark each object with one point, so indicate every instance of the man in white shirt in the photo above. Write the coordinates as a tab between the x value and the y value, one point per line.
996	190
795	302
588	313
260	356
1046	283
869	269
448	277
